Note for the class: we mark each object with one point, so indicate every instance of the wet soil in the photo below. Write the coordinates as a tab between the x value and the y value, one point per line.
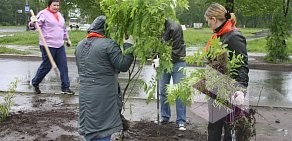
35	125
149	131
60	125
49	117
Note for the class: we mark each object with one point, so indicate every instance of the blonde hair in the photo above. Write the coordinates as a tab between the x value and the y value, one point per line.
219	12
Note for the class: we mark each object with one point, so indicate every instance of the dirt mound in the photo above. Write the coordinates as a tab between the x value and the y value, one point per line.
56	125
150	131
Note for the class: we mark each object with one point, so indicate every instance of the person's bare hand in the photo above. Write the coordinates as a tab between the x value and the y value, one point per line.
68	43
33	19
237	98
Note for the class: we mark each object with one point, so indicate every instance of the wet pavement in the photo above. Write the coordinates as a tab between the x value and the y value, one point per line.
266	88
12	30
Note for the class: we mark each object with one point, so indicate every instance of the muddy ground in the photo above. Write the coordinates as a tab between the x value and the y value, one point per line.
39	123
49	117
57	121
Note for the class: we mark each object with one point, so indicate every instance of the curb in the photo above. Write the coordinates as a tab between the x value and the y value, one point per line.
138	98
255	62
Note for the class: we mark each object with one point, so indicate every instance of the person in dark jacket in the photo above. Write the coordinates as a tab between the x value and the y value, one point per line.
174	35
99	59
223	25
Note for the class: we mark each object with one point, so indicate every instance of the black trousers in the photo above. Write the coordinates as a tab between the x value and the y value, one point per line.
215	130
59	56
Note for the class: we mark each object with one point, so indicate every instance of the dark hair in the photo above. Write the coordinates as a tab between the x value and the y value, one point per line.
51	1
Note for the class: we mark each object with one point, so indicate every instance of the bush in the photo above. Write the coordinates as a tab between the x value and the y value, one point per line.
6	106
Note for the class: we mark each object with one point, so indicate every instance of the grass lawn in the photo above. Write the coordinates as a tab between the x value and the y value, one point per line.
259	45
4	50
14	27
199	37
193	37
31	38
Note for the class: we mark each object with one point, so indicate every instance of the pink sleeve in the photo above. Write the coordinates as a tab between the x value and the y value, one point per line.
41	19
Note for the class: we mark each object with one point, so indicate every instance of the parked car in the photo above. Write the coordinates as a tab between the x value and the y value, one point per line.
74	23
84	27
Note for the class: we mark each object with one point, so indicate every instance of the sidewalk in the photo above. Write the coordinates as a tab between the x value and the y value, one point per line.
255	59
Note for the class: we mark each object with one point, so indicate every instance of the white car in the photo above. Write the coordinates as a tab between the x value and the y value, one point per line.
74	23
84	27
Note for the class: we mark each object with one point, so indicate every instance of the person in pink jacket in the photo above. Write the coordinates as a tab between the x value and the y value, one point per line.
52	25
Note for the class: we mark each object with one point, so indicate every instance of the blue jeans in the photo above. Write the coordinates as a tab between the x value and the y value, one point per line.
108	138
180	106
59	56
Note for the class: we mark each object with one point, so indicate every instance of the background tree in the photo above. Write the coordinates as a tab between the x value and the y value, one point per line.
89	9
194	14
279	27
65	7
37	5
9	12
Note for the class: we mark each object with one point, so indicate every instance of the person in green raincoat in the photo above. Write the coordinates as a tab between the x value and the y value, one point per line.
99	60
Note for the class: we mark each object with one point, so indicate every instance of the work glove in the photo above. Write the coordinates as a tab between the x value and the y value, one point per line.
68	43
237	98
129	40
155	63
33	19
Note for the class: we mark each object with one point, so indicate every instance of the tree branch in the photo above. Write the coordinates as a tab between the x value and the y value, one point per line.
286	7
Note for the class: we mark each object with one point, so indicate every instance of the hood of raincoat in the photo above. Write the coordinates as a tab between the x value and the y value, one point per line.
98	25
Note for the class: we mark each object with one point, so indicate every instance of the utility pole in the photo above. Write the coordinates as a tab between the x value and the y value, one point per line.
230	6
26	10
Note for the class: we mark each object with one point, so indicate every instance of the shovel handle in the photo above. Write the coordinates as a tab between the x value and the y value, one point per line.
44	42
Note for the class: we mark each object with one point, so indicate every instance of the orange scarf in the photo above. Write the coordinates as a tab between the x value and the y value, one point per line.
225	29
54	13
93	34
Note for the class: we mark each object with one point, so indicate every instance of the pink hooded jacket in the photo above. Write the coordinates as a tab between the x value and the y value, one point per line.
54	31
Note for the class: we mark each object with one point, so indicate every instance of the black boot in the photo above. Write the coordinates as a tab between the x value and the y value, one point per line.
37	90
67	91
